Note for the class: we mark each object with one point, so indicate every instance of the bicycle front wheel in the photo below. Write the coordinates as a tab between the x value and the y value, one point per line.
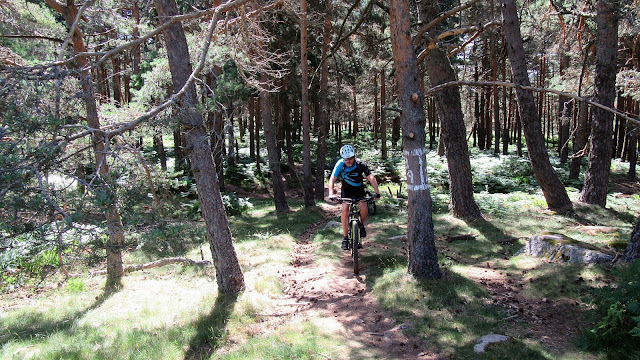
355	238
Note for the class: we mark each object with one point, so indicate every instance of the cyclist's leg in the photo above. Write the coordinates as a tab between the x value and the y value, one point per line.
344	219
364	211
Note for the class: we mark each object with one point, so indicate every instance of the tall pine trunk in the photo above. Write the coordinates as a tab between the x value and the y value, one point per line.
279	196
596	180
323	111
423	257
449	107
307	184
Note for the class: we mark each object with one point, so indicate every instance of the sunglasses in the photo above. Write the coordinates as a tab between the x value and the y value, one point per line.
350	159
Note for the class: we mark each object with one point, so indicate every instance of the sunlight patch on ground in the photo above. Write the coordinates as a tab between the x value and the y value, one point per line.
153	302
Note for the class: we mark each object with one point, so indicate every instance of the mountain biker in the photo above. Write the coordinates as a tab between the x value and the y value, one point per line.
353	171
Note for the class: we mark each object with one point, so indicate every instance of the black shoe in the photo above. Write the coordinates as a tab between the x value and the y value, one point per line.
363	232
345	244
359	245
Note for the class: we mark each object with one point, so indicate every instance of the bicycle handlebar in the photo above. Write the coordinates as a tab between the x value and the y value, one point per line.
367	198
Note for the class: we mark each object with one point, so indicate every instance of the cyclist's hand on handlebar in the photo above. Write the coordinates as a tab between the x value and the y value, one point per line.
333	197
377	196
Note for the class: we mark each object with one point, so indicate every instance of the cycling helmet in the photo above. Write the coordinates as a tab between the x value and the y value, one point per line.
347	151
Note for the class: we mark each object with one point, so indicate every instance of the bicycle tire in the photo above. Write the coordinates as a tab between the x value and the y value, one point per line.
355	240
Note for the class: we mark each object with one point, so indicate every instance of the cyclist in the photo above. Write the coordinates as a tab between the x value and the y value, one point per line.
353	171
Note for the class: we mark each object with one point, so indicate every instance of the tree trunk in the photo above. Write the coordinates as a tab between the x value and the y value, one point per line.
252	133
383	113
565	109
423	257
554	191
158	144
307	184
228	273
633	249
596	179
355	113
453	132
279	196
257	129
216	124
115	229
620	130
376	112
231	135
580	140
323	111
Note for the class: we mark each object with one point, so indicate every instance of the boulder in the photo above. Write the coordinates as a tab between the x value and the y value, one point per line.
331	224
561	248
482	343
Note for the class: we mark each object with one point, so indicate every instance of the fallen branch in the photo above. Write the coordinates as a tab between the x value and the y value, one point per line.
157	263
461	237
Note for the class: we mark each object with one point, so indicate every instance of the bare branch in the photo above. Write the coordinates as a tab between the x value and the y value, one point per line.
433	44
425	28
440	87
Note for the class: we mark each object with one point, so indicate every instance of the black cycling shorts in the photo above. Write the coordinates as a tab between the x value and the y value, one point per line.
353	192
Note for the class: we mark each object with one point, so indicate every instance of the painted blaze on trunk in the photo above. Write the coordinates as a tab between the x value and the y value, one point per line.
423	257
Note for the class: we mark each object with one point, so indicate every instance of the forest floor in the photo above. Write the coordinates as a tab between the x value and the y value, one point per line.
335	294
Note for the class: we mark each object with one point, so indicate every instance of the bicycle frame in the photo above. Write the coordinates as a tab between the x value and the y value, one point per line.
355	222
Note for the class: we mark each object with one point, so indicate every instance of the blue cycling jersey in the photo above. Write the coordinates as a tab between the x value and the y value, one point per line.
352	175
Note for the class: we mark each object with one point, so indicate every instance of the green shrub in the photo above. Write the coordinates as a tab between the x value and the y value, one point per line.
617	316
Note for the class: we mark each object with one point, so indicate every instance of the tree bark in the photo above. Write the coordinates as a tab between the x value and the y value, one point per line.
633	249
554	191
453	132
580	140
115	229
279	196
383	114
215	124
323	110
376	112
307	184
228	272
423	257
252	134
231	135
596	180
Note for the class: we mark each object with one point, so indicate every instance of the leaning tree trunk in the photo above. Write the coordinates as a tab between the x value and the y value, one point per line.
272	149
228	272
449	106
323	110
115	229
423	257
596	179
554	191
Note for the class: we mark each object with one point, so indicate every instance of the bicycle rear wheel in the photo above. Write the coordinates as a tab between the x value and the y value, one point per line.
355	238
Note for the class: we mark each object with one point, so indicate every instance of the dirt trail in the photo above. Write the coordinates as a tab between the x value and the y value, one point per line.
342	301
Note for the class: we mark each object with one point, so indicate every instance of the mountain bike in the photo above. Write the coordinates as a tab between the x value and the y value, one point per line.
353	235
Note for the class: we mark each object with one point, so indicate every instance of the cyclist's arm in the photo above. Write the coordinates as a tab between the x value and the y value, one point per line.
374	183
332	181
